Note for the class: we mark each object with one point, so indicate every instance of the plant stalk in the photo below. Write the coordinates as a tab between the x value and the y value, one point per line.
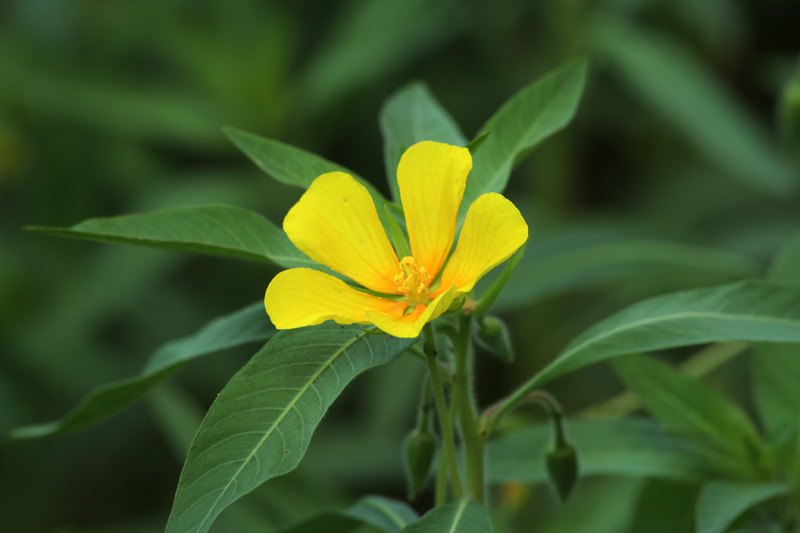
449	447
467	414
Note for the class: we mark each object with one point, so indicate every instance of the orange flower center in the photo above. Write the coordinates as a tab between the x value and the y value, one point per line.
412	281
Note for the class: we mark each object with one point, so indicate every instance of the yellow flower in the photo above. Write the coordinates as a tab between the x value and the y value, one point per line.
335	223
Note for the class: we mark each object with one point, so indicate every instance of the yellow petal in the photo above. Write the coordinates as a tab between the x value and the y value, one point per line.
431	177
410	325
304	297
335	223
493	230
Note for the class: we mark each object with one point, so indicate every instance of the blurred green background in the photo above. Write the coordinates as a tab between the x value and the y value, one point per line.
680	170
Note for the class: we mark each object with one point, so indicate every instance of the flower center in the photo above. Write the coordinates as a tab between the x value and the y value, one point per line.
412	281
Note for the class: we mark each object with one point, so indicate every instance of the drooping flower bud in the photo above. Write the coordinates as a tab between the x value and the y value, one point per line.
492	335
562	468
420	447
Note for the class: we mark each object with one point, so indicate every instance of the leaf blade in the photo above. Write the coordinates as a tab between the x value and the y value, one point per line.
212	229
275	391
465	516
688	405
383	513
680	87
634	447
410	115
242	327
289	164
537	111
720	503
745	311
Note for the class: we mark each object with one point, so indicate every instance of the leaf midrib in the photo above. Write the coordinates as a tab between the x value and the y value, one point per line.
457	518
693	416
98	235
663	318
279	419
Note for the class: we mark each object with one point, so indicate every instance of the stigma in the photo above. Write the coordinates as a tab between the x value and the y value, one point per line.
413	281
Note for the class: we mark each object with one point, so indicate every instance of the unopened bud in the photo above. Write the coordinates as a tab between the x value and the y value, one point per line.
562	468
420	447
492	335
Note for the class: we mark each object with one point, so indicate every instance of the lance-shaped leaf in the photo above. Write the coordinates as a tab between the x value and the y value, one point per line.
382	513
261	423
689	406
744	311
246	326
464	516
536	112
294	166
684	90
289	164
720	503
213	229
543	274
632	447
409	116
776	367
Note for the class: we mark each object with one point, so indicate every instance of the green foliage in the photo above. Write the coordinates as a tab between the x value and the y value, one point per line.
747	311
533	114
629	447
409	116
242	327
688	406
382	513
464	516
645	236
720	503
213	229
678	85
261	423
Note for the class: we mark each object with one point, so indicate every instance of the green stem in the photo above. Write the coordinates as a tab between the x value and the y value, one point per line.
467	415
449	447
441	482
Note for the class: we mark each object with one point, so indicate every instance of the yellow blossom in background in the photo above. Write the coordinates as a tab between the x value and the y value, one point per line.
335	223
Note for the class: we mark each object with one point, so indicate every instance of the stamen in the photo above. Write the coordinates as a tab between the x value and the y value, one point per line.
413	281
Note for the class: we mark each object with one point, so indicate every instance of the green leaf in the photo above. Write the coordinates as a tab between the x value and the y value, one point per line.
689	406
720	503
534	113
213	229
685	92
776	367
745	311
242	327
294	166
465	516
634	447
383	513
285	163
776	371
261	423
409	116
543	274
476	143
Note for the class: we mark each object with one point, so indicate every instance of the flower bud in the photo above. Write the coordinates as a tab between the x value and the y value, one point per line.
562	468
420	447
492	335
